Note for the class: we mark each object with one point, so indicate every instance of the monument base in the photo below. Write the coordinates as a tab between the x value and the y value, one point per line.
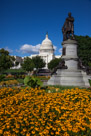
72	76
66	77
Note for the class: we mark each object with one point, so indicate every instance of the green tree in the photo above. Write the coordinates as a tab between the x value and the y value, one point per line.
6	61
84	49
53	63
16	63
38	62
28	64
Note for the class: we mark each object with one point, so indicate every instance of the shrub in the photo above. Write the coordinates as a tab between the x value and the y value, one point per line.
32	82
2	77
90	82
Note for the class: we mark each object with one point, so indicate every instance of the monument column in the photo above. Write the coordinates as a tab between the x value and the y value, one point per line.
70	56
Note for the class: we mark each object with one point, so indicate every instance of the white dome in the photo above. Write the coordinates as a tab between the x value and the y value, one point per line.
46	44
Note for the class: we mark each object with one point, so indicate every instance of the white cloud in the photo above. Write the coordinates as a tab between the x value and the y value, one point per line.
54	47
60	50
26	48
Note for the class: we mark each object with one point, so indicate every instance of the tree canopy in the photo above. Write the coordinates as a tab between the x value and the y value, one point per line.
84	49
53	63
28	64
38	62
6	61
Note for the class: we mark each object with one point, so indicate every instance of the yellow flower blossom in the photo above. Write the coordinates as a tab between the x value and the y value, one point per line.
32	111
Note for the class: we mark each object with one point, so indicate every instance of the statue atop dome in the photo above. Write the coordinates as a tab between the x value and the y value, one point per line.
46	34
68	28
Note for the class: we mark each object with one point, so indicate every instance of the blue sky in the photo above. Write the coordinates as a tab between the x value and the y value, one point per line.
24	23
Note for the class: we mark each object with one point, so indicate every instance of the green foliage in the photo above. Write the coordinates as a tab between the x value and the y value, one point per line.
26	80
38	62
53	63
7	79
28	64
18	71
20	80
16	63
84	49
89	64
32	82
2	77
59	88
6	61
43	77
90	82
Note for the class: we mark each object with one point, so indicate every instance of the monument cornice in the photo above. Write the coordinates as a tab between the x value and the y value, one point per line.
76	59
69	41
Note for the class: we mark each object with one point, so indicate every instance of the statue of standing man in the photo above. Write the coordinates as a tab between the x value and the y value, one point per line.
68	28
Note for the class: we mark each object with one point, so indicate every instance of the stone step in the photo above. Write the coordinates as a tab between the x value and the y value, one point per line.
69	78
70	73
66	82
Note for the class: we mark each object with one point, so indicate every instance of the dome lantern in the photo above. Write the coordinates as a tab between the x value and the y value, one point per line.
47	35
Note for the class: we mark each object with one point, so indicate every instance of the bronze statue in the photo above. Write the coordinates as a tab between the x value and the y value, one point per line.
61	65
68	28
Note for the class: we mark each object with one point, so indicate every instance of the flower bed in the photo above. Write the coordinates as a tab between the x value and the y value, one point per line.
33	112
9	82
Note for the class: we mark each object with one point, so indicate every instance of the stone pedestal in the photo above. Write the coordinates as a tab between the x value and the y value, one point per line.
70	56
72	76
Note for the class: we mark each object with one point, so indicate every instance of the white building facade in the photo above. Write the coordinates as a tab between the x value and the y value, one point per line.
19	60
46	51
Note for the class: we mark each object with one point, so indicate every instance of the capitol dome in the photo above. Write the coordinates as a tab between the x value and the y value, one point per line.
46	50
46	44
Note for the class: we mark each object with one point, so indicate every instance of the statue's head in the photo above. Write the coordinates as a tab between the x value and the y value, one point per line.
69	14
